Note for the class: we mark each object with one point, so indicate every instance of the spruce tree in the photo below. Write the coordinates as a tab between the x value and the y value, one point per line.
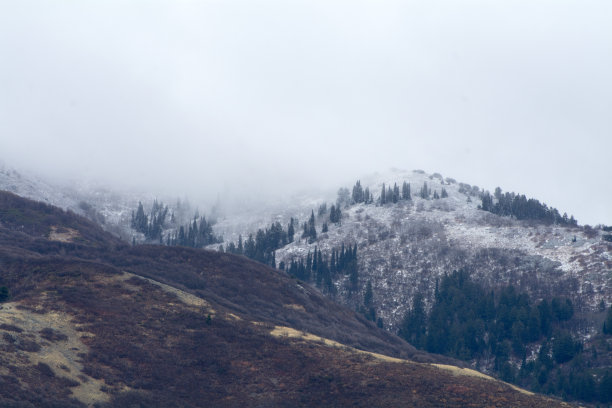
367	197
406	191
240	248
290	230
358	193
424	193
311	231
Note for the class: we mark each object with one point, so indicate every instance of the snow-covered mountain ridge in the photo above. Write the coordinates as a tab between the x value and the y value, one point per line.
407	246
402	248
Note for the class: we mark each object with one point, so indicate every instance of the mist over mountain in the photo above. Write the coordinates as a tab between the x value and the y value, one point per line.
435	175
222	98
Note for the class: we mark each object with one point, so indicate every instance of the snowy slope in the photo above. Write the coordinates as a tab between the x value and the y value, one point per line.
405	247
402	248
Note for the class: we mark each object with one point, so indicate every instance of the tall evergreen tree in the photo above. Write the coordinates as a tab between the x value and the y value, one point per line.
406	191
358	195
291	230
425	191
413	328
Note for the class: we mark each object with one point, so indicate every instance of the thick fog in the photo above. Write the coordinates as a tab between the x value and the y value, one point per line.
201	97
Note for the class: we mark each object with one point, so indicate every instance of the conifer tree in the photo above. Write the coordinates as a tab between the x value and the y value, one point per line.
424	193
406	191
291	230
140	221
369	311
240	248
310	230
358	193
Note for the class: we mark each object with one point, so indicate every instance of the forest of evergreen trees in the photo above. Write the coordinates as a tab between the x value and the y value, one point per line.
522	208
468	322
262	247
322	269
195	234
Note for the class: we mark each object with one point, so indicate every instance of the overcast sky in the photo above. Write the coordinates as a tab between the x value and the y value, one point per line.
193	96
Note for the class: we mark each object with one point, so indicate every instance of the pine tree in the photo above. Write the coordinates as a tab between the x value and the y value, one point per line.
335	214
444	193
383	195
140	222
322	209
311	231
240	248
358	193
290	230
396	193
367	197
413	328
424	193
406	191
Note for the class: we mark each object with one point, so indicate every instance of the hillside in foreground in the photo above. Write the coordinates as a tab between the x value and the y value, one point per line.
93	322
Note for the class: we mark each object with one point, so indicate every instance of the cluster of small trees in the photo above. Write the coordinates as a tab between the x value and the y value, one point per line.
150	225
335	214
522	208
323	269
262	247
425	193
360	195
196	234
468	322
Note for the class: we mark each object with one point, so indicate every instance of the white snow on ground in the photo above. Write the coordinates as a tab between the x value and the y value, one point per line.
399	244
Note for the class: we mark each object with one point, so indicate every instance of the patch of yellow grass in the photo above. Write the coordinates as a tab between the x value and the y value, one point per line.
295	307
61	356
474	373
63	234
282	331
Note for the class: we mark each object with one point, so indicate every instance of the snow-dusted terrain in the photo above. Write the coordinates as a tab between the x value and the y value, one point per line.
405	247
402	248
110	208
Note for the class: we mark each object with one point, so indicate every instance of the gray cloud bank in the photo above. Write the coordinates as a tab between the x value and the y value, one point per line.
199	97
